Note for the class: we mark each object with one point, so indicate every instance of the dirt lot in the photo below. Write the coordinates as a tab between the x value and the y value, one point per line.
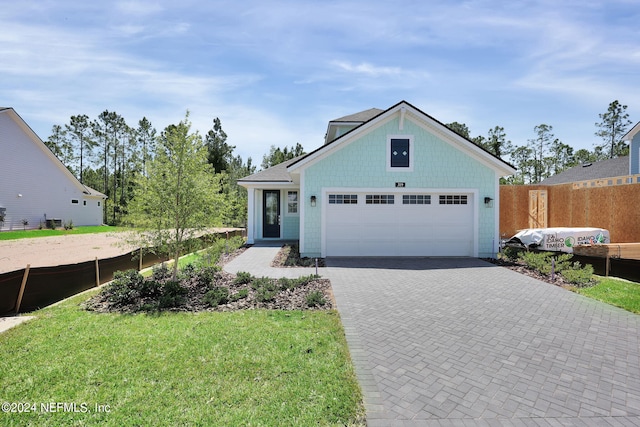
61	250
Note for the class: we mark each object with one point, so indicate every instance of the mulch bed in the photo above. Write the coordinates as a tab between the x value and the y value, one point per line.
523	269
289	256
287	299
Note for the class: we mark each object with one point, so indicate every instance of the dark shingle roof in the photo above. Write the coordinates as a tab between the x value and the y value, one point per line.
596	170
277	173
361	117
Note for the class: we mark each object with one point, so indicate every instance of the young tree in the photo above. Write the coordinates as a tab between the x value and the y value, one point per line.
180	195
612	128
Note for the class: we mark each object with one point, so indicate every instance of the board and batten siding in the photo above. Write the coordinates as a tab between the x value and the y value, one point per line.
437	164
36	184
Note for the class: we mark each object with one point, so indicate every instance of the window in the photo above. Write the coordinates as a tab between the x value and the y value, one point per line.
98	203
74	201
379	199
400	153
453	199
416	199
343	199
292	202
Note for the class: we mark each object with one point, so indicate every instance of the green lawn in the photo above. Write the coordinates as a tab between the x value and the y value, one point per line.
26	234
260	368
621	293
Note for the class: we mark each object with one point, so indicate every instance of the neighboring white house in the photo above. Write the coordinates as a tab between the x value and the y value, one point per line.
385	183
35	185
633	138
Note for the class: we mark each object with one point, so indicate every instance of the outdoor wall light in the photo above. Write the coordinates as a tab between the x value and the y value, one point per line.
488	202
313	200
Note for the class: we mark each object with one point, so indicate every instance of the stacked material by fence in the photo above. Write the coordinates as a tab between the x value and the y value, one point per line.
31	288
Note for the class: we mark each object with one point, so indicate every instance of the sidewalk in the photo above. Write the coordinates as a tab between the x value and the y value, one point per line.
7	323
258	263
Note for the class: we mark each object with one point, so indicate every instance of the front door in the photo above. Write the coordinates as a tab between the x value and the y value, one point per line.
271	213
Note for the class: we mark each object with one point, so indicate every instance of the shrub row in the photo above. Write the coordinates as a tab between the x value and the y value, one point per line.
548	262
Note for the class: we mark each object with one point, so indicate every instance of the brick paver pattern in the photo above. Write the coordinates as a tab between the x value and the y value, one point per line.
461	342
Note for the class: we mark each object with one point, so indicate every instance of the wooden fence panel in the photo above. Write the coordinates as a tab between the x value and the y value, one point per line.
616	208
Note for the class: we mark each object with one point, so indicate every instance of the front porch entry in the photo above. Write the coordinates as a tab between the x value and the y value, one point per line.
271	214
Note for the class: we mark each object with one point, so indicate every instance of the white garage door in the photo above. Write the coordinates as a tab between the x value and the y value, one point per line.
399	224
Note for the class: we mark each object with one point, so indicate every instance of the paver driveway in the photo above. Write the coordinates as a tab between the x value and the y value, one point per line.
448	342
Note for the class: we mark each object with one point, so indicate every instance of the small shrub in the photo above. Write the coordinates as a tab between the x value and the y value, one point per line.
511	254
128	287
241	294
266	289
206	276
580	276
25	222
161	273
217	296
540	261
173	294
315	299
242	278
68	225
285	283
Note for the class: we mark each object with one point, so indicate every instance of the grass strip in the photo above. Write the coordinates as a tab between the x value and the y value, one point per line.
29	234
621	293
262	368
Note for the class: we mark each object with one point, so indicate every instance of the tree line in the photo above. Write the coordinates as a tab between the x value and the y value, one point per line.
111	156
544	155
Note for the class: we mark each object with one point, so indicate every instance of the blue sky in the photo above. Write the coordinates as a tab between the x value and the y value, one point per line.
276	72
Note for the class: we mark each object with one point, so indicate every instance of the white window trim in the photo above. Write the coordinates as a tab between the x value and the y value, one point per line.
411	153
286	206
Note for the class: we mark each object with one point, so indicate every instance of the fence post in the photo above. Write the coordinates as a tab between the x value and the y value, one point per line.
22	286
97	273
140	261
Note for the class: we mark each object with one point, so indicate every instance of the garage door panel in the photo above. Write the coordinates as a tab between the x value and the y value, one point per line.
400	229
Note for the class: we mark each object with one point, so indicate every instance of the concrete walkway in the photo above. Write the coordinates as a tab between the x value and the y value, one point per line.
460	342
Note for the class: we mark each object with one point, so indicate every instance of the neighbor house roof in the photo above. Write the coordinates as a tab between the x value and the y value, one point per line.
588	171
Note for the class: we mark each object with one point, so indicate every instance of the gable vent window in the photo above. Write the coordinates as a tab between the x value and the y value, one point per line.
74	201
343	199
379	199
416	199
453	199
400	153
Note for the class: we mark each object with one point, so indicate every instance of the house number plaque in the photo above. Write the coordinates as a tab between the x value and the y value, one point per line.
400	184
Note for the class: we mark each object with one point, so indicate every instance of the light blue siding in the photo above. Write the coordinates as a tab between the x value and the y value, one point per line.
634	153
436	164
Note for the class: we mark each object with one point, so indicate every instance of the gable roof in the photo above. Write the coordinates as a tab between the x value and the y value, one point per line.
634	130
42	146
277	173
434	125
609	168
